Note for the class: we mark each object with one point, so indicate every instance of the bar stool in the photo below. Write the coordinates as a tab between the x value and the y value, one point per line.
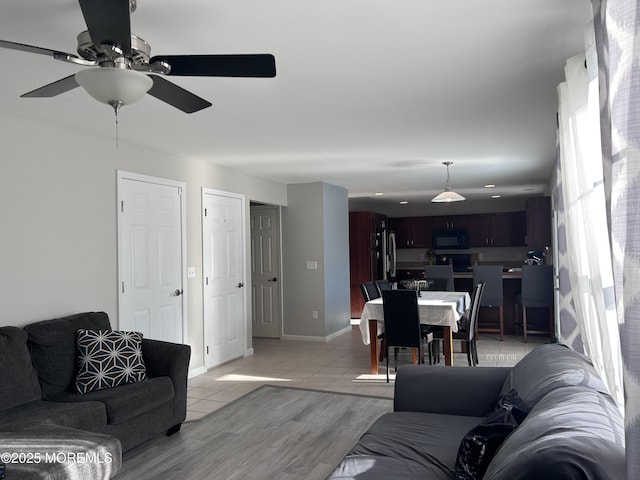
536	292
492	294
440	271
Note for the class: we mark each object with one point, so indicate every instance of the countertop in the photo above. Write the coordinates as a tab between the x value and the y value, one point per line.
507	274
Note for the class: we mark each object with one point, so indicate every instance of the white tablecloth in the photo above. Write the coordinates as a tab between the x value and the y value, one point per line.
435	308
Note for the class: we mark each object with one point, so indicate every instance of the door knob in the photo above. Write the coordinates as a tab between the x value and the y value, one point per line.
274	279
240	285
177	293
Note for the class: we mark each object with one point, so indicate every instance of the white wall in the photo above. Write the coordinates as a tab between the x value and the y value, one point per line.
337	299
315	229
58	238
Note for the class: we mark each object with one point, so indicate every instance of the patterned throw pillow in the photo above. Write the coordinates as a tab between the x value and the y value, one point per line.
108	358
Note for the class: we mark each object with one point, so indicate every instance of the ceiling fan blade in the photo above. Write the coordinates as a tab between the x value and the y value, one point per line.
53	89
57	54
108	22
246	65
31	48
177	96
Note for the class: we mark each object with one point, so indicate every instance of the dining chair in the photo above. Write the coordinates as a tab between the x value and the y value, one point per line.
492	295
467	327
402	324
536	292
468	332
441	271
369	291
383	285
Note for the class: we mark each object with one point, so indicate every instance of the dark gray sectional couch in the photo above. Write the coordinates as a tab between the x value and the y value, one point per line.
42	415
573	430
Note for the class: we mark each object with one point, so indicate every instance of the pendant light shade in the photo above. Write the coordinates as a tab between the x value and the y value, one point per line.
448	195
114	86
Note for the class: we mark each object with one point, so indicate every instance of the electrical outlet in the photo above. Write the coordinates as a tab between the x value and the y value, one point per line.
314	314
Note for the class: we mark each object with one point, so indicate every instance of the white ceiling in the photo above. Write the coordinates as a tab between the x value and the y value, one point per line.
370	95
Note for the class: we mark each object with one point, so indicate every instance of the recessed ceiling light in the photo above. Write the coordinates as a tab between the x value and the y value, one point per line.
489	185
378	194
404	202
496	196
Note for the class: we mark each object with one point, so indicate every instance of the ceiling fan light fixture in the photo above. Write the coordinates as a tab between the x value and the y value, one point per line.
114	86
448	195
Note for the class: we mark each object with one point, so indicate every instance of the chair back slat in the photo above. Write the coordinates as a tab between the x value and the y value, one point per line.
537	285
401	318
369	291
382	285
440	271
476	300
492	276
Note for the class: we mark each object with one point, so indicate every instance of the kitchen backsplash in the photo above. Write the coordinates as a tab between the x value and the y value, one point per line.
505	255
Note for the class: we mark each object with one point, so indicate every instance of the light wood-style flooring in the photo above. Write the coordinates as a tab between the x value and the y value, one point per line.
339	365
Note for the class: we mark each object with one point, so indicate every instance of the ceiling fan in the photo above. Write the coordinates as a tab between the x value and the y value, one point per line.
124	69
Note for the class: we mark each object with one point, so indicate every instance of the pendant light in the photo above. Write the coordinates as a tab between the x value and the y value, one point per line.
448	195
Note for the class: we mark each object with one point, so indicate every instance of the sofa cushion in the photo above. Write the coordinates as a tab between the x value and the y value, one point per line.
126	401
573	432
426	443
18	380
548	367
53	348
107	359
90	416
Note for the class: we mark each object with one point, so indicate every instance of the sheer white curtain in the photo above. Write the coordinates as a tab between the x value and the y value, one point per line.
588	252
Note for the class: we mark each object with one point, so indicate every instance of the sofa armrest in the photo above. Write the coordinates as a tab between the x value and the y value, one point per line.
448	390
170	360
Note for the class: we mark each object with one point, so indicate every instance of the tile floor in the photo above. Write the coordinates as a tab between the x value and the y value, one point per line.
340	365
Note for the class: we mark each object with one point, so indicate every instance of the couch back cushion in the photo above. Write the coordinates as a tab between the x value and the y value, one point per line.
573	432
548	367
18	379
53	348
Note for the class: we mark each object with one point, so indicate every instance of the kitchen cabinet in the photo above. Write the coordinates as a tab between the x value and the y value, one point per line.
363	261
538	212
505	229
412	232
497	229
450	222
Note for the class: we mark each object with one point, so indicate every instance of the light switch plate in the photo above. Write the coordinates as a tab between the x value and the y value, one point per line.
191	272
312	265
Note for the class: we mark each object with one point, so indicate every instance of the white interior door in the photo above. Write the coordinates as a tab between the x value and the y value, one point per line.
266	315
151	256
223	273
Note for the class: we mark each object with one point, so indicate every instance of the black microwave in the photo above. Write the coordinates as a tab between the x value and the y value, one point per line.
450	239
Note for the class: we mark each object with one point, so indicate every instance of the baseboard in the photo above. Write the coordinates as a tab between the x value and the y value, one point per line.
339	332
248	352
310	338
197	371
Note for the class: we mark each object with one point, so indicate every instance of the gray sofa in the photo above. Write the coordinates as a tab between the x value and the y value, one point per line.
42	417
573	430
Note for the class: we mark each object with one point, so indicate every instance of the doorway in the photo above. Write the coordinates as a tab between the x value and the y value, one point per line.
223	263
266	293
151	256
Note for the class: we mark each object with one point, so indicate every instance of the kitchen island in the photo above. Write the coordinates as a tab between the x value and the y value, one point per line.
463	282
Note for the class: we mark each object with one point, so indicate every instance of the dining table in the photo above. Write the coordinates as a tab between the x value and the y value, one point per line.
435	308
